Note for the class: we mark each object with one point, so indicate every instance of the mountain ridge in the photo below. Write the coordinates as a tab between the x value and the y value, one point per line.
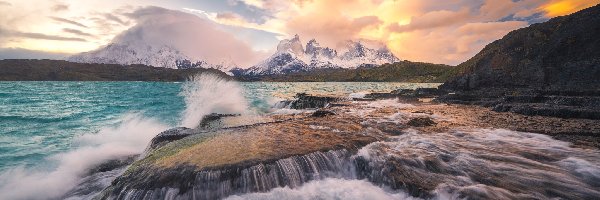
562	53
293	57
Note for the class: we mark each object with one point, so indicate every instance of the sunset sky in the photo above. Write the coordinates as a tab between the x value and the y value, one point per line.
435	31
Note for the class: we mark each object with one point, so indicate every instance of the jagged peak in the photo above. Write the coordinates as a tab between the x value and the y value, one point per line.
293	45
295	38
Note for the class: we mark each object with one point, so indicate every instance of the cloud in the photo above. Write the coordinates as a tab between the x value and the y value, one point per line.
58	19
447	32
41	36
77	32
451	45
20	53
433	19
555	8
194	36
115	18
60	7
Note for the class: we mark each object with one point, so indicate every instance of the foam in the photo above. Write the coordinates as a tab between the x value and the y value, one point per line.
330	188
488	164
130	137
207	93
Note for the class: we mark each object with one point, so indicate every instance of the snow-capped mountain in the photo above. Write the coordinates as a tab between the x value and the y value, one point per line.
152	55
291	56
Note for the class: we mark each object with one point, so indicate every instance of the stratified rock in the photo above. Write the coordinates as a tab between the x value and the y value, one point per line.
188	182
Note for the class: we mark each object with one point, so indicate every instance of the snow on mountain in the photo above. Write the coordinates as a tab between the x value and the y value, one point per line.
152	55
292	57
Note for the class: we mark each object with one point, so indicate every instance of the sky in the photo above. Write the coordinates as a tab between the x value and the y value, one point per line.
247	31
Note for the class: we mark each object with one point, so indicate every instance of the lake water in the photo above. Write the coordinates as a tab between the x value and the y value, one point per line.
53	133
42	120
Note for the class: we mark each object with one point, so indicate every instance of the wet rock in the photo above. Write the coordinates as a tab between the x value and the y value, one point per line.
322	113
170	135
305	101
189	182
113	164
390	128
549	110
530	102
428	92
213	121
374	96
406	94
421	122
429	112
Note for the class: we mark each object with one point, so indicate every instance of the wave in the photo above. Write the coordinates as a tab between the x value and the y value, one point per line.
128	138
330	188
207	93
483	164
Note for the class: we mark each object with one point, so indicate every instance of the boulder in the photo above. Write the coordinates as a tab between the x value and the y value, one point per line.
305	101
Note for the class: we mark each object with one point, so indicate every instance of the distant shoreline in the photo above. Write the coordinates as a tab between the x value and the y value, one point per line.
60	70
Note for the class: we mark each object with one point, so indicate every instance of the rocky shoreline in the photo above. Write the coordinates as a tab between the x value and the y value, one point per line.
230	155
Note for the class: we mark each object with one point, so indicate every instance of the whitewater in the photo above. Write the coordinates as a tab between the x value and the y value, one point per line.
53	134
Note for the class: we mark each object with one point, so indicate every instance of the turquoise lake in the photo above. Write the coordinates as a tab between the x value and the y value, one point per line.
39	120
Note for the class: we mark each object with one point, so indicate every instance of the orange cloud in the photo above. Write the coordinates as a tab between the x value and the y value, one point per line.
565	7
447	32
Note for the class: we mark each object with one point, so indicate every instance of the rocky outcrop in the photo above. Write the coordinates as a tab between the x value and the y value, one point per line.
306	101
574	104
561	54
186	182
548	69
407	95
354	145
170	135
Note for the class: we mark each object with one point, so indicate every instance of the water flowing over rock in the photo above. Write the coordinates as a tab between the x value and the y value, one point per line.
475	165
446	155
187	183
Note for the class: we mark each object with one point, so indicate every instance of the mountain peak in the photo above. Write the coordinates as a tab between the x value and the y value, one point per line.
293	45
128	53
292	57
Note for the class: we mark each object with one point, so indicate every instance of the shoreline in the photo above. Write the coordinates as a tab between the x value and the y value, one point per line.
339	131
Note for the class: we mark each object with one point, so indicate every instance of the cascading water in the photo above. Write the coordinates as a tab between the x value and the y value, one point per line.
482	164
472	164
225	181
